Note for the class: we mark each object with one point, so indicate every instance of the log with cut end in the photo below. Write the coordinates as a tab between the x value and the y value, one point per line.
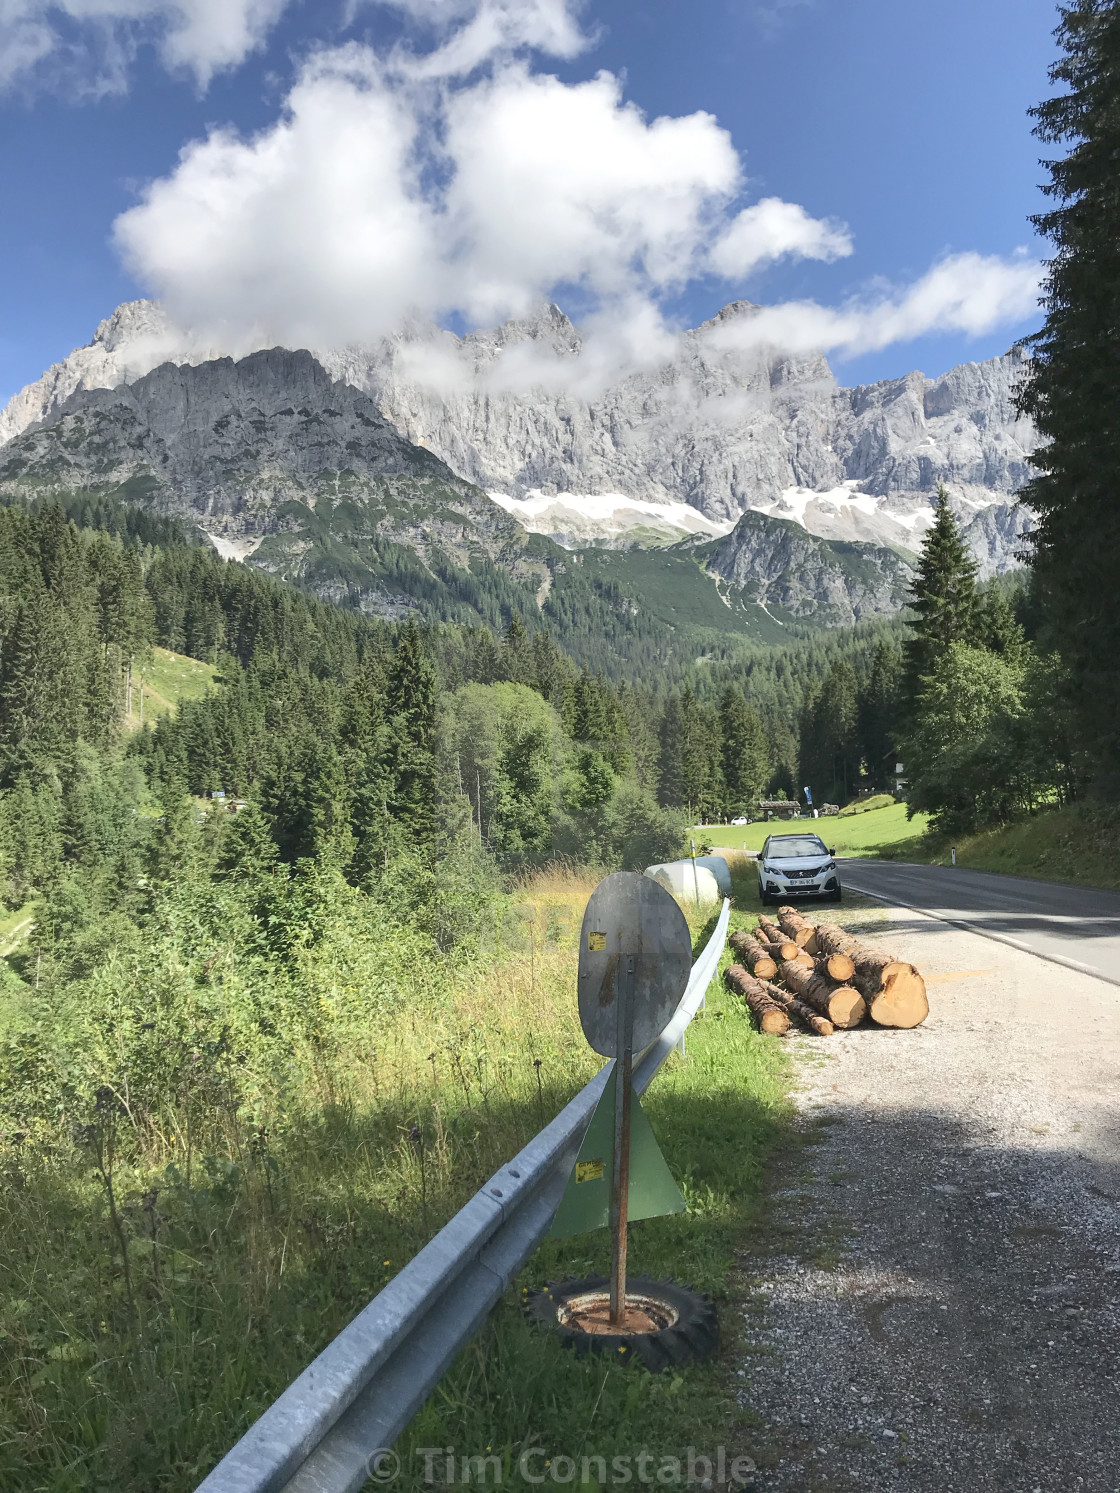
785	949
819	1024
839	967
893	989
799	928
842	1004
770	1014
774	940
757	959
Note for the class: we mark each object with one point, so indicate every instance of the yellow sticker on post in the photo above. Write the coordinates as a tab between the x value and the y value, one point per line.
590	1171
596	942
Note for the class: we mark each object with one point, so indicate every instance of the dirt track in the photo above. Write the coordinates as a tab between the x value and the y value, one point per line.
935	1303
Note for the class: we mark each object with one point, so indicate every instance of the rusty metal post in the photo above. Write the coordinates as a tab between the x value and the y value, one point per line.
620	1168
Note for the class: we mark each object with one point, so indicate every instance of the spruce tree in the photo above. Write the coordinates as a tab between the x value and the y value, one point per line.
943	596
830	742
998	629
744	752
702	768
246	848
1073	392
640	715
517	653
411	714
878	712
364	738
671	790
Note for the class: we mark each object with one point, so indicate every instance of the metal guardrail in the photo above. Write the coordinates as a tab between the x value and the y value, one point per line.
364	1388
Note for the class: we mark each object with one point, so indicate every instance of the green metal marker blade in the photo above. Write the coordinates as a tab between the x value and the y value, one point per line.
586	1202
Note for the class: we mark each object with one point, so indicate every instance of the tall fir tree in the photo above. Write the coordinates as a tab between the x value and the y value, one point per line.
671	789
830	742
411	713
878	713
943	596
517	653
702	767
745	754
997	627
1073	392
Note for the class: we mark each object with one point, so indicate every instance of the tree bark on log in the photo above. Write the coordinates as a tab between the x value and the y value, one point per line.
842	1004
794	926
757	959
771	1016
774	940
819	1024
832	939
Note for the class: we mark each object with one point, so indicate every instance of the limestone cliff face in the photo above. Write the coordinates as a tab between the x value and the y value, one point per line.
269	456
521	411
775	563
349	466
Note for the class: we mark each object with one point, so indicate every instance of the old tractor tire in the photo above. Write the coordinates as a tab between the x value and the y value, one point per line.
687	1330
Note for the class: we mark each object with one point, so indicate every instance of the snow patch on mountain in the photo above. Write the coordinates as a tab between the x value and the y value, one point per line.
575	520
235	549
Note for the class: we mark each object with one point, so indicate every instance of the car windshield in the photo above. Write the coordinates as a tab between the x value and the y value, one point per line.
796	848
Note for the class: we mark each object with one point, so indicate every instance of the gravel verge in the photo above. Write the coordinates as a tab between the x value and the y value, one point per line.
934	1300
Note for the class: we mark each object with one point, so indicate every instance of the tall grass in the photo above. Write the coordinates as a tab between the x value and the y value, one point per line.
170	1258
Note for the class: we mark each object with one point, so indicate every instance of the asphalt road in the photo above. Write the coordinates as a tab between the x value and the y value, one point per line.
1073	925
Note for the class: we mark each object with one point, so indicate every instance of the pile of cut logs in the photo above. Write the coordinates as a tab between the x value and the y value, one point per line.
828	978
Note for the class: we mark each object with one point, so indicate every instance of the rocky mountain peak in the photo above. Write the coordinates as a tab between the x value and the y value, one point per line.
131	321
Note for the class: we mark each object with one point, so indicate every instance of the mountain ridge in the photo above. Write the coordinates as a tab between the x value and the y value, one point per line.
710	430
300	474
269	453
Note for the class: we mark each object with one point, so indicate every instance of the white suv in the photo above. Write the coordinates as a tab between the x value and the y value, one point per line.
797	866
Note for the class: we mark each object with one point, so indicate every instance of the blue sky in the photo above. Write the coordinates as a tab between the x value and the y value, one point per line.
905	123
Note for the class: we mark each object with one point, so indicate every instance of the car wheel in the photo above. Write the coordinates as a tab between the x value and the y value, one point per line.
838	897
763	897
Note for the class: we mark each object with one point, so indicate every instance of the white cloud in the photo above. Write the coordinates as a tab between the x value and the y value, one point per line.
559	183
315	231
970	293
471	32
379	195
90	43
459	181
773	229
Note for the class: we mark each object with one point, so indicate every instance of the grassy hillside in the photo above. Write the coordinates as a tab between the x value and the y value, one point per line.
167	679
1079	845
880	832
